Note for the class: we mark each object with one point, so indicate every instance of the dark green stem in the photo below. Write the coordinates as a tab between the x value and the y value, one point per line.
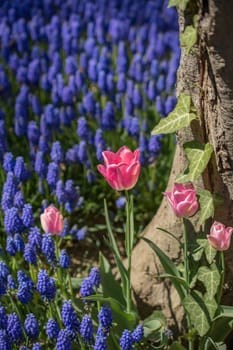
187	276
128	248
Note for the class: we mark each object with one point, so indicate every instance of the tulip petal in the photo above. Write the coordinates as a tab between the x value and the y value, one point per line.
111	158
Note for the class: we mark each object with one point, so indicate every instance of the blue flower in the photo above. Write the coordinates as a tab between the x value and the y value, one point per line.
64	259
138	334
14	328
87	329
3	318
5	341
52	329
63	341
27	216
31	326
69	317
30	254
48	248
46	285
126	340
105	317
95	277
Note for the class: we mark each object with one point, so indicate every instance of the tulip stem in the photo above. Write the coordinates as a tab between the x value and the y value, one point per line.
186	276
222	275
129	239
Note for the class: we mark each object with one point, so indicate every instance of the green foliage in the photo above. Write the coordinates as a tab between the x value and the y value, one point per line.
168	266
179	118
210	277
198	156
201	310
206	202
181	4
189	38
177	346
223	323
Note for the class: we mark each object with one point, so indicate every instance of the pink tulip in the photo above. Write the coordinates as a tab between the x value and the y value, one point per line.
52	221
220	236
121	169
183	200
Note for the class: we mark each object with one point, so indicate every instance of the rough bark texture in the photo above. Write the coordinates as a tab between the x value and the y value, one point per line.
206	74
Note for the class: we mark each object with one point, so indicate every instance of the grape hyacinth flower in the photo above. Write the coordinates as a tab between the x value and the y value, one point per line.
87	330
31	326
52	329
64	259
126	340
63	341
48	248
14	328
46	286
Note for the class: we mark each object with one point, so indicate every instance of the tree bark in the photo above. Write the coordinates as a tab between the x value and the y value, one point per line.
206	74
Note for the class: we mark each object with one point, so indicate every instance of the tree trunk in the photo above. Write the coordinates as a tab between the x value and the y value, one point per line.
206	74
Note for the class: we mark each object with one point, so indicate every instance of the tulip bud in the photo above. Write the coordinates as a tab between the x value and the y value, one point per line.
121	169
183	200
52	221
220	236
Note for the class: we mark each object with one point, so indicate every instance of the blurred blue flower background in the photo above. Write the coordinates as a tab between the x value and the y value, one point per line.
77	78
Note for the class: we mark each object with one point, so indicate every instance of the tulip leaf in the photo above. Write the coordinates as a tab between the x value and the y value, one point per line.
110	285
168	266
210	277
198	156
120	316
181	4
113	246
206	202
189	38
222	324
177	346
179	118
201	310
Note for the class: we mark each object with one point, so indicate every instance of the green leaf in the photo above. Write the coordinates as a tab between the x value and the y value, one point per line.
181	4
110	286
201	310
206	202
179	118
222	324
177	346
189	38
210	277
76	282
120	316
198	249
175	278
168	266
113	246
210	253
198	157
154	326
211	345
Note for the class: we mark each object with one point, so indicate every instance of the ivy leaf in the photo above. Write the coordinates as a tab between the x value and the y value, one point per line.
201	310
210	277
210	253
198	157
181	4
189	38
201	247
179	118
206	202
